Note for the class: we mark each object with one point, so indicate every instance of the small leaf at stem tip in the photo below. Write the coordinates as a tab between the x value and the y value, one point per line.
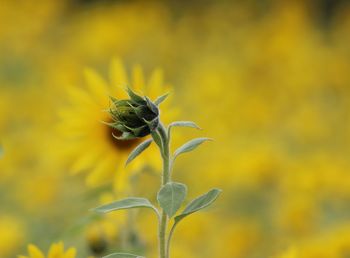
127	203
113	99
184	124
160	99
138	150
122	255
199	203
171	196
133	96
191	145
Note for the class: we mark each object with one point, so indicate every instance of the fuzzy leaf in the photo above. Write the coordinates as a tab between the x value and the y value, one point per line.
199	203
184	124
157	139
171	196
138	150
160	99
151	106
113	99
189	146
116	125
138	130
125	136
152	125
122	255
127	203
134	97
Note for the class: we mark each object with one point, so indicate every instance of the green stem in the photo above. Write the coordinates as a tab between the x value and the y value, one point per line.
165	179
169	239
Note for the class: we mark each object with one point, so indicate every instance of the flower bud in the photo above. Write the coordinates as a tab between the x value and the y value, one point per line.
135	117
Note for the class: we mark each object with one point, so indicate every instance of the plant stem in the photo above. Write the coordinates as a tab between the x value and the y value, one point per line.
165	179
169	239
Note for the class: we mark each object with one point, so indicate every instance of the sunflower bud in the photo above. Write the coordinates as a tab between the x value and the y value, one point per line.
135	117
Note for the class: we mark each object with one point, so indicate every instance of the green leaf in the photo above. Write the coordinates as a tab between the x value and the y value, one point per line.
189	146
171	196
134	97
127	203
122	255
199	203
113	99
138	150
152	106
160	99
157	139
152	125
184	124
125	136
116	125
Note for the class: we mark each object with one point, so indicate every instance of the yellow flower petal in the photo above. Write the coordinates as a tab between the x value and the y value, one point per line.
34	252
155	84
56	250
138	79
71	252
119	78
97	86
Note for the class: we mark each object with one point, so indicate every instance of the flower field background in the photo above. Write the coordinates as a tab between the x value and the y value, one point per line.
268	80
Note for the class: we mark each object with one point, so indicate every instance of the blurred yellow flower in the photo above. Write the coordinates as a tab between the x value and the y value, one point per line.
93	147
56	251
11	235
290	253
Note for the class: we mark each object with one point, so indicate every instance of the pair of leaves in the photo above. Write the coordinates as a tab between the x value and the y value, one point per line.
191	145
187	147
172	195
170	198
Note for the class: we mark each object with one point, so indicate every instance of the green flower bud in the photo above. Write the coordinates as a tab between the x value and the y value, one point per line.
135	117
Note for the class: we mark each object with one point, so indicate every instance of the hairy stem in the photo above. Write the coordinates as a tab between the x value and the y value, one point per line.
169	239
165	179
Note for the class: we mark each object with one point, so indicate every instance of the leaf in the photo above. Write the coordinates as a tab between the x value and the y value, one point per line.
152	125
133	96
160	99
122	255
125	136
152	106
171	196
157	139
138	150
199	203
127	203
184	124
189	146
